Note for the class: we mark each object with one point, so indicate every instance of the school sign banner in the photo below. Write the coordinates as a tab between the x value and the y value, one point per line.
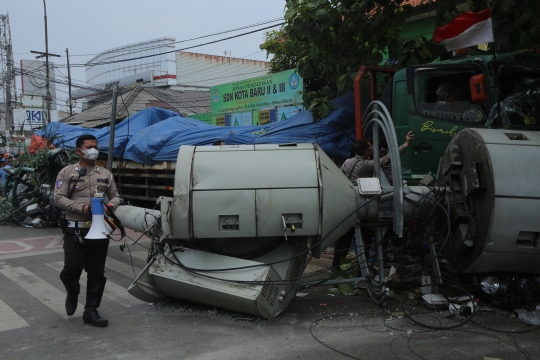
272	90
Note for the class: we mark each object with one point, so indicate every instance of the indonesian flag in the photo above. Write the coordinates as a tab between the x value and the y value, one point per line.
466	30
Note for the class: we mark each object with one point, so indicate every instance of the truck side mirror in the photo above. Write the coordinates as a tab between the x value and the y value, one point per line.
478	89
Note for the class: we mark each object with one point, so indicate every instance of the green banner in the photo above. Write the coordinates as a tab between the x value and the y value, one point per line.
272	90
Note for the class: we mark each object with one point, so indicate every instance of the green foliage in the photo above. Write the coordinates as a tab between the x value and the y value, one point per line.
328	40
446	11
419	51
285	52
516	23
348	268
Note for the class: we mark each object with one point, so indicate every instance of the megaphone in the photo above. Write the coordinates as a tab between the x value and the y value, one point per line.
98	230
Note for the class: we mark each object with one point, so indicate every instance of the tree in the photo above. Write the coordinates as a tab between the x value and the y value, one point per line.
516	23
328	40
286	54
331	39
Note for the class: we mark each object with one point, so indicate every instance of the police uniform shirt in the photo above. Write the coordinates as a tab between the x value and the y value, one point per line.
83	190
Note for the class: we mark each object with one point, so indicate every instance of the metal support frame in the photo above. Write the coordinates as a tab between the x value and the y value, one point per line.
309	284
8	93
46	54
112	127
373	70
69	84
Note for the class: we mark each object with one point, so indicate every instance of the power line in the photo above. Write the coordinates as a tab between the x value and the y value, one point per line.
172	51
196	38
192	39
176	42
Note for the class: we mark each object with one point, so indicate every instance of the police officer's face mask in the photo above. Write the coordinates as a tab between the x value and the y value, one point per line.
90	154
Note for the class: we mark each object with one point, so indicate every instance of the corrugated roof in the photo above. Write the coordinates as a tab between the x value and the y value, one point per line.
184	102
140	98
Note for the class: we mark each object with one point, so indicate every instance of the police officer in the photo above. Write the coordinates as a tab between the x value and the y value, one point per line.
75	186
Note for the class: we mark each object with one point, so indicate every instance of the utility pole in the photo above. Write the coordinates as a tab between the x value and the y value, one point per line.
9	66
69	84
8	90
46	55
112	127
47	65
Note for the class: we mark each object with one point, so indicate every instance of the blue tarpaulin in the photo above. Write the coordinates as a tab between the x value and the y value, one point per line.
64	135
155	135
131	126
144	145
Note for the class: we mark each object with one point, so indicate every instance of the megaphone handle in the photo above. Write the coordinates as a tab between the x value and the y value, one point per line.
116	220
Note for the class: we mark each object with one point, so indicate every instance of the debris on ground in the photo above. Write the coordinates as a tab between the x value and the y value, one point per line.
28	192
530	317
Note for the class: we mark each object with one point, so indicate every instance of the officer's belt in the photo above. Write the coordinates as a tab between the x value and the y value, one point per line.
79	224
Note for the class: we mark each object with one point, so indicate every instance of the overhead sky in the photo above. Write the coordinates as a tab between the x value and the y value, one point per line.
92	26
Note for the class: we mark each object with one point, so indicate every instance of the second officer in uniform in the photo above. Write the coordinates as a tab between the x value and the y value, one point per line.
75	186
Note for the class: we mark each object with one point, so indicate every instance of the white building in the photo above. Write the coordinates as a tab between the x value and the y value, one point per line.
195	71
150	61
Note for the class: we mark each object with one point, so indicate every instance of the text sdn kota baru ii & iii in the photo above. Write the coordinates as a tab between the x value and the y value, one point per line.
253	92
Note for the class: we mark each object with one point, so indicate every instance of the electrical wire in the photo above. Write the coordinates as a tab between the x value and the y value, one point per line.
192	39
90	64
197	271
314	323
301	253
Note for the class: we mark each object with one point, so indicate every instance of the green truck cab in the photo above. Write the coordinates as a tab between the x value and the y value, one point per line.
437	100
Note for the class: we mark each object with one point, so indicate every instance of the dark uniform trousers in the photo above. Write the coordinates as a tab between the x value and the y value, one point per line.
90	257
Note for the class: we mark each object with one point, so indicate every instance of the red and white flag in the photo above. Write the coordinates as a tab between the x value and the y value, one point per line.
468	29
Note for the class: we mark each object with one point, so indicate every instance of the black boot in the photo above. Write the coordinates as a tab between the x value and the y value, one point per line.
94	293
93	318
73	290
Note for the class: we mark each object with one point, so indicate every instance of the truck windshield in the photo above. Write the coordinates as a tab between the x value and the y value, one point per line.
520	107
443	93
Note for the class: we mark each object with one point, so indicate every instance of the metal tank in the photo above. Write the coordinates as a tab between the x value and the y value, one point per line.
242	219
245	207
494	177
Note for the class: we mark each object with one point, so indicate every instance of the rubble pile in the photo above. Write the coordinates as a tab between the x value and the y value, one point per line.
28	192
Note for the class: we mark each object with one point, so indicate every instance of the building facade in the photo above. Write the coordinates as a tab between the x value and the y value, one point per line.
145	62
201	71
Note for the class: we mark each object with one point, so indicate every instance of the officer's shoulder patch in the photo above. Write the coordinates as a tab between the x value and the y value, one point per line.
59	183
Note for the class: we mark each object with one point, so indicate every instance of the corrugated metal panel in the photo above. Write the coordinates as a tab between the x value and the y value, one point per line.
140	98
194	69
185	102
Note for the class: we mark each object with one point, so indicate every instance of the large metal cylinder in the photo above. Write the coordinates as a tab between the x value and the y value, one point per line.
136	218
257	192
494	177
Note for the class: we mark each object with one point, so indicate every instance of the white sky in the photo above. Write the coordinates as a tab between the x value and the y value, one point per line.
92	26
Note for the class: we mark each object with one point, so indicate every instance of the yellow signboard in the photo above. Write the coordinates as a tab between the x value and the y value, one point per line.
264	117
220	120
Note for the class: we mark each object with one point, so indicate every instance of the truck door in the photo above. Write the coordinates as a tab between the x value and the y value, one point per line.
442	106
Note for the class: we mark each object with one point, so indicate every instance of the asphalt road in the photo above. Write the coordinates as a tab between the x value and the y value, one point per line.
33	324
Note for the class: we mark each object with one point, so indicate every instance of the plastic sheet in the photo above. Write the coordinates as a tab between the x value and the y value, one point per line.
530	317
144	145
63	135
156	135
521	107
125	130
335	134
